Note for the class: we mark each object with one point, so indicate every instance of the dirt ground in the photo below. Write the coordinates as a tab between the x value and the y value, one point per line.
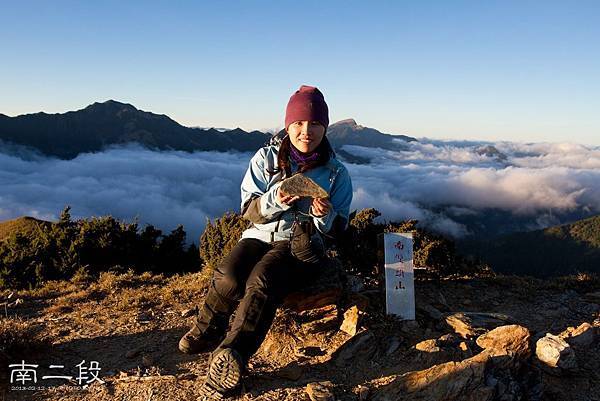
130	325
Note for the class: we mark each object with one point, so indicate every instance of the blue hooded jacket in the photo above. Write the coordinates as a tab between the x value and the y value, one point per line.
273	221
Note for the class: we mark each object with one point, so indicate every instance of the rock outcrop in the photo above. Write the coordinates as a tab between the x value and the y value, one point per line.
485	376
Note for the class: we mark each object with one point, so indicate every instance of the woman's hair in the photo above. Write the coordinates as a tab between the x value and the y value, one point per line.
324	152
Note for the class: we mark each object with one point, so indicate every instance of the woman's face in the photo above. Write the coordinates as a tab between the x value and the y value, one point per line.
306	135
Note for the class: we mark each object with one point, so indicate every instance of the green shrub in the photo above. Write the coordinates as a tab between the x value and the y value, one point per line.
88	247
357	248
362	254
219	237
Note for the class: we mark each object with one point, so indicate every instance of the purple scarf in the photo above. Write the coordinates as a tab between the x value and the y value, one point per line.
302	158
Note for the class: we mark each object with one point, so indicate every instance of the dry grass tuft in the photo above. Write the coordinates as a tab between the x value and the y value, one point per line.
110	282
186	288
135	298
50	289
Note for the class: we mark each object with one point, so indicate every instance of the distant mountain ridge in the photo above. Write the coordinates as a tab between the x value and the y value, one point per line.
100	125
557	250
348	132
110	123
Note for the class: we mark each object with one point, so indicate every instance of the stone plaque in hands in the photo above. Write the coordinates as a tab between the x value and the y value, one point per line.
301	185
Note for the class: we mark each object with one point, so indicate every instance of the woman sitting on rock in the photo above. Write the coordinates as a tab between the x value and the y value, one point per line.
274	256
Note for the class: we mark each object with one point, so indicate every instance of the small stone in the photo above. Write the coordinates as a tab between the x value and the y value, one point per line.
555	353
321	391
449	339
463	346
189	312
471	324
428	346
350	323
301	185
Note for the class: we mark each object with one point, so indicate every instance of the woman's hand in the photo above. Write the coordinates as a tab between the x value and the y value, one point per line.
320	207
285	199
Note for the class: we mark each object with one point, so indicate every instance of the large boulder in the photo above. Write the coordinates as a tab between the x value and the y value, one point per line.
510	340
555	353
507	345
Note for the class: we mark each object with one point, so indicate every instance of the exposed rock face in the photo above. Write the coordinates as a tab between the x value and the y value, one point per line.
491	151
475	378
469	324
448	381
555	353
301	185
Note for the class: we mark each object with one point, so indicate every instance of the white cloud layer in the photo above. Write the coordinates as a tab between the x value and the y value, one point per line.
436	182
160	188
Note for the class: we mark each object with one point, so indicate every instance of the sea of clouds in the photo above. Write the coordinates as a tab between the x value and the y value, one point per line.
437	182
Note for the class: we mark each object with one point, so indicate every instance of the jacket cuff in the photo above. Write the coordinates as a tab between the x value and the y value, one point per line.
269	206
323	223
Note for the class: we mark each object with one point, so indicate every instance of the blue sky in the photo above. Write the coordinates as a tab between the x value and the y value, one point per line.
519	71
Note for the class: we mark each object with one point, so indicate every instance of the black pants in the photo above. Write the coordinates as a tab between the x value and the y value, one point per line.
252	281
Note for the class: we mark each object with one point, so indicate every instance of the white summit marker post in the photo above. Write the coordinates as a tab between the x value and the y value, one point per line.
399	275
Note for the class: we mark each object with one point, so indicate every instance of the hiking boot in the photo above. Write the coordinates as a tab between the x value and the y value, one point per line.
224	375
195	342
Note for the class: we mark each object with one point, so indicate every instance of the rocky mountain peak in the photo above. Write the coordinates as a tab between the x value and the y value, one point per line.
347	122
111	106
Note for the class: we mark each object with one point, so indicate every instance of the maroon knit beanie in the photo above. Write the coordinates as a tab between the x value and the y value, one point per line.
307	103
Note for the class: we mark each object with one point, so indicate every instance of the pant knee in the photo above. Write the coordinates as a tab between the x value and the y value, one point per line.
227	286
